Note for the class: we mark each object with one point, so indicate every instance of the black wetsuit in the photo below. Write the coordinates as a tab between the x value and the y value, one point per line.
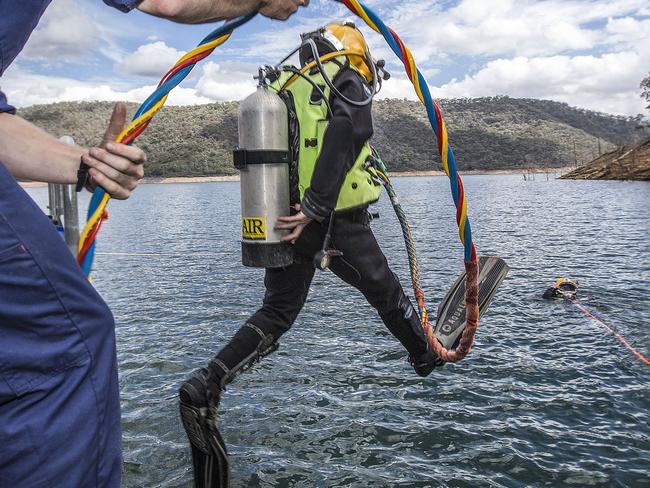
363	265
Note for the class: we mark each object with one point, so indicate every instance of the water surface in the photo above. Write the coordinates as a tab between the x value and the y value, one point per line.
547	397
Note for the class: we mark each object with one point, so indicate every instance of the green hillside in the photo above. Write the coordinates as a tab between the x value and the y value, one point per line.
485	133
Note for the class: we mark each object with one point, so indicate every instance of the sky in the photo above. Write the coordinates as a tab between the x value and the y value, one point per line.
588	53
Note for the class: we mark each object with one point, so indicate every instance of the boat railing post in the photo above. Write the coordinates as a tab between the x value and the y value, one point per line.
64	209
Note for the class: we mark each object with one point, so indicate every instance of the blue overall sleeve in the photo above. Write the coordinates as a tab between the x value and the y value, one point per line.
4	105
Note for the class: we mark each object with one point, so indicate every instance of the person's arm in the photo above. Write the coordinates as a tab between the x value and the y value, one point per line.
30	153
199	11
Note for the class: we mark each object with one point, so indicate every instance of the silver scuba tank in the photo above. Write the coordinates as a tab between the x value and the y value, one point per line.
263	161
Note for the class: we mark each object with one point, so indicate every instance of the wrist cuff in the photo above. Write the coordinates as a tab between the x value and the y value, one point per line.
83	178
313	210
123	5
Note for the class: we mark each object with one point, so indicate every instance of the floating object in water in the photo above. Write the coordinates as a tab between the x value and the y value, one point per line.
451	319
563	288
567	289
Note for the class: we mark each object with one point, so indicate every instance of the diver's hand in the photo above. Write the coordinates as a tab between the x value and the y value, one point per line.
281	9
294	223
117	168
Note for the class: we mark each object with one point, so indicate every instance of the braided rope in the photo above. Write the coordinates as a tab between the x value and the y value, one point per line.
97	209
457	191
471	283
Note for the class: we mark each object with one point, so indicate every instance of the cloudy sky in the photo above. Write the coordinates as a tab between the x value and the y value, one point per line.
588	53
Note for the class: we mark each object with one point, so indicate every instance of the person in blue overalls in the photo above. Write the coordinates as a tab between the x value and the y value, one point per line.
59	396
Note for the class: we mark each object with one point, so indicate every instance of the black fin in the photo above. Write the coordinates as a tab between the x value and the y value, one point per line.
450	322
209	454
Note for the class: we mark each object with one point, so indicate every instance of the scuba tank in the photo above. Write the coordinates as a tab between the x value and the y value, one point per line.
263	161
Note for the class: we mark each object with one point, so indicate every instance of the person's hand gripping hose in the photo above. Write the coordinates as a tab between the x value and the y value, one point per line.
116	167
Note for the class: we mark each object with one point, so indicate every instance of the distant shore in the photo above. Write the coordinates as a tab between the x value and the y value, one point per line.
397	174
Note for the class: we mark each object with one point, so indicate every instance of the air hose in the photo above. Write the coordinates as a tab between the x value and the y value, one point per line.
155	102
141	119
457	191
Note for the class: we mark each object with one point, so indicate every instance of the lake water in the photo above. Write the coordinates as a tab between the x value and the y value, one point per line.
547	397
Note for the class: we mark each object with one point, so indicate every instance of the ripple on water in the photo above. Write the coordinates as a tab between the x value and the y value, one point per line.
547	398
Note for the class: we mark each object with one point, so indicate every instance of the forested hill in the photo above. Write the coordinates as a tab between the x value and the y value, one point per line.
485	133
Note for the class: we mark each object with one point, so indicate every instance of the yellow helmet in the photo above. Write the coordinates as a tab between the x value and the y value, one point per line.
352	41
345	37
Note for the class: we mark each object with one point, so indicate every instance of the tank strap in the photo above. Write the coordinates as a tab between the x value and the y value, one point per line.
244	157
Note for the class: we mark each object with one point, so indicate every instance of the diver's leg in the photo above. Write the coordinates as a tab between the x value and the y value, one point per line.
364	266
286	292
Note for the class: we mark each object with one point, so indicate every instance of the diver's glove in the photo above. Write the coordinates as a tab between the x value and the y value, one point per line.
201	390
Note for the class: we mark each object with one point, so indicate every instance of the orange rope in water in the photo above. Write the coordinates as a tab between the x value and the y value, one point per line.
616	334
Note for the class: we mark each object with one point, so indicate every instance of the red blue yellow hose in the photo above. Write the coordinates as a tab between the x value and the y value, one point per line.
457	190
97	209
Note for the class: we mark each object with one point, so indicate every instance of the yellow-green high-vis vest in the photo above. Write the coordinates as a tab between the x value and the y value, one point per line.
361	185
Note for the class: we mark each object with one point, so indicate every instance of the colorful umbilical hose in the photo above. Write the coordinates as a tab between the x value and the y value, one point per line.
457	191
97	209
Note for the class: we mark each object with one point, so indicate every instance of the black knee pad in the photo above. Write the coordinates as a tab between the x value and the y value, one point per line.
247	347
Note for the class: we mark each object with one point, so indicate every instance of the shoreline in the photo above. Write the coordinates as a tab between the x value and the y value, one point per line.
396	174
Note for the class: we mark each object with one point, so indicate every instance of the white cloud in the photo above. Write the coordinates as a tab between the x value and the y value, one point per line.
498	27
606	83
398	87
24	89
628	32
227	81
66	34
150	60
216	82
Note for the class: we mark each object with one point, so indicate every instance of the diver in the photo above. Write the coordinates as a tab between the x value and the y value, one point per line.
329	206
563	289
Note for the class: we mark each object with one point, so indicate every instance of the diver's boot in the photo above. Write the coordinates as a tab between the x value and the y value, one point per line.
199	399
404	323
425	363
